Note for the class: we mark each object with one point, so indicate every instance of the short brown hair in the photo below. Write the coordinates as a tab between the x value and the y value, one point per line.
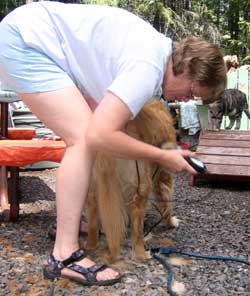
204	63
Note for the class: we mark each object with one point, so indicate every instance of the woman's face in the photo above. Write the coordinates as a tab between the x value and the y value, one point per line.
178	88
181	87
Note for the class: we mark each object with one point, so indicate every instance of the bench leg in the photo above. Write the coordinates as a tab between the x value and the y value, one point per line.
4	200
14	199
191	180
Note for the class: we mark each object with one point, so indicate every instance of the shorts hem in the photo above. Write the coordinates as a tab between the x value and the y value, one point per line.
38	87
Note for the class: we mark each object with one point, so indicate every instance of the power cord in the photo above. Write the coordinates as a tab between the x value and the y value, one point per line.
169	251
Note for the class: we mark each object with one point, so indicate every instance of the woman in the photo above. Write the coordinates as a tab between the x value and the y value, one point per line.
85	71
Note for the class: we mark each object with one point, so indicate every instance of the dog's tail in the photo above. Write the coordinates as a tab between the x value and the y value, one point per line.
112	211
247	113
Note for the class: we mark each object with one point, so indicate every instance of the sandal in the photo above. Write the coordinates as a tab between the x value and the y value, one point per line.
53	270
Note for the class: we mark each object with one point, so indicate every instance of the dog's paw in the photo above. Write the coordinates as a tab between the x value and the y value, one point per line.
140	256
174	221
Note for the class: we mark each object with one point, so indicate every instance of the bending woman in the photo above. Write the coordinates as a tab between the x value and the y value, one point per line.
85	71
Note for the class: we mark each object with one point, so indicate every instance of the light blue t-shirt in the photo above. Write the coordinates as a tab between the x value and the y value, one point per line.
102	48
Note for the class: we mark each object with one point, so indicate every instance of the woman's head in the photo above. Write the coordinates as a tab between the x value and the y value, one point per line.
203	63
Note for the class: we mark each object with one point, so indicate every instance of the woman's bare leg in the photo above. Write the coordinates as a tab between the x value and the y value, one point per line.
66	113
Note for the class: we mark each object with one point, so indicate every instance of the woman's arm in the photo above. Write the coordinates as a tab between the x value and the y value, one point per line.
105	134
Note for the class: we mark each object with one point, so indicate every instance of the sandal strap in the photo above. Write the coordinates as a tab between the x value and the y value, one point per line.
88	272
57	265
75	256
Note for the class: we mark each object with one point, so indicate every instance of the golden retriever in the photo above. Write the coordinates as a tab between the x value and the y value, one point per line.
120	188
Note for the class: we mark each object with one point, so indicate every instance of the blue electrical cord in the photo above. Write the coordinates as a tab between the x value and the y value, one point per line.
169	270
169	251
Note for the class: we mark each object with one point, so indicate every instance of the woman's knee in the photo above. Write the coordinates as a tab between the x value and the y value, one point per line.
75	138
68	118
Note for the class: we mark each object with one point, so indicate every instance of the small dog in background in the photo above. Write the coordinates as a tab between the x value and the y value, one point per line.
120	189
231	62
232	103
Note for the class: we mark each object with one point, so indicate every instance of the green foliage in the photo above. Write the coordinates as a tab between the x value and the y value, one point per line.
7	5
101	2
244	37
232	19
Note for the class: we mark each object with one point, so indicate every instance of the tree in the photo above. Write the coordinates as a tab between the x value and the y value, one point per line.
232	18
7	5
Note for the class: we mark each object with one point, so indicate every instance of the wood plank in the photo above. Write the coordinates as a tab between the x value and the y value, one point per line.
223	151
224	143
226	154
218	178
229	160
229	170
227	136
238	132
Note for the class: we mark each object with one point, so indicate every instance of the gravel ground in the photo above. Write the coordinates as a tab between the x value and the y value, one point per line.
214	221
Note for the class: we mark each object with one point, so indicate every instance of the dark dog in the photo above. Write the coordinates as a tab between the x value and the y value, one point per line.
232	103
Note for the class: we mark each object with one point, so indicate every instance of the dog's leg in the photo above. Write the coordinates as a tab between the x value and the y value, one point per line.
238	123
137	209
111	206
231	123
163	189
137	213
93	221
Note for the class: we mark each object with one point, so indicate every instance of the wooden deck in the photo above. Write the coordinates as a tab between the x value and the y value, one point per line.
226	154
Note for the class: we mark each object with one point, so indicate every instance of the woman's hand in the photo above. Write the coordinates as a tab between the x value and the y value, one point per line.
173	161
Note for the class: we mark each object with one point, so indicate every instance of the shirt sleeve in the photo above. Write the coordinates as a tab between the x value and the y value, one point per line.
136	84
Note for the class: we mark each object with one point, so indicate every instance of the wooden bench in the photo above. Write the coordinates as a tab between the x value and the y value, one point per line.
226	154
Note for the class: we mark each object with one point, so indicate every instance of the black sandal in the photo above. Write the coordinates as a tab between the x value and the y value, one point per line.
53	270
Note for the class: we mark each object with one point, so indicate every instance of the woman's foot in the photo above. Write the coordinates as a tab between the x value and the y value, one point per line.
81	269
105	274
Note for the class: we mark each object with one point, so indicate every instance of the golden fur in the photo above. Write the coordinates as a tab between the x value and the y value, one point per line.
120	188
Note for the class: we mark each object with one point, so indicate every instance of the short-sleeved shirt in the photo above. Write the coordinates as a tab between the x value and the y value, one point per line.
102	48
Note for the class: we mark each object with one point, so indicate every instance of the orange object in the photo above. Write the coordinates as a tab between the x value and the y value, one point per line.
21	133
22	152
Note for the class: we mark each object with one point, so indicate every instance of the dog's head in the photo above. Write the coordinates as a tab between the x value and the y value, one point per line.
153	125
231	61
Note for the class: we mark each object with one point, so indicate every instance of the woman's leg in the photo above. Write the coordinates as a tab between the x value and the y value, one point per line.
66	112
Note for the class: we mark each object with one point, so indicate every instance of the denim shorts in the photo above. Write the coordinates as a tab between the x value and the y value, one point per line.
24	69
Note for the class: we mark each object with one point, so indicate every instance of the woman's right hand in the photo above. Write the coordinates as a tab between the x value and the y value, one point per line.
173	161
